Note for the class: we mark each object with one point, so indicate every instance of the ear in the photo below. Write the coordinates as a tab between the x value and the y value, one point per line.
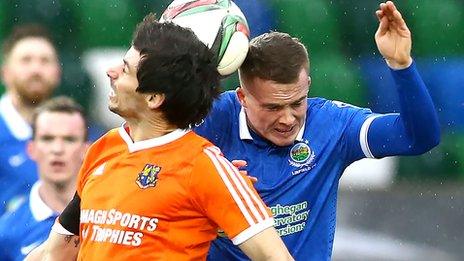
241	96
154	100
5	76
30	148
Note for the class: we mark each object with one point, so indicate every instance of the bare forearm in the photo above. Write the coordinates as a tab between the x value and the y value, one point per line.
266	245
56	248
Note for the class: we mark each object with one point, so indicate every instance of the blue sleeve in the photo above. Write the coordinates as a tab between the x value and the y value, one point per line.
216	126
413	131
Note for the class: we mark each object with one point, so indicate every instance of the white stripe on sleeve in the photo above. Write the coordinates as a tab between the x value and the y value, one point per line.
229	186
236	188
251	231
363	136
230	167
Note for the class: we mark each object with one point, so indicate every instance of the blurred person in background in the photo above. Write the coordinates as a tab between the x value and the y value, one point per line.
58	145
298	147
30	73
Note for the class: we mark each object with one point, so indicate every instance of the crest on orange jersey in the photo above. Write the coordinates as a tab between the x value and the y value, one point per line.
148	176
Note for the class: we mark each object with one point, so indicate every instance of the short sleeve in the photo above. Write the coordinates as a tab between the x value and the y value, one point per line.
228	198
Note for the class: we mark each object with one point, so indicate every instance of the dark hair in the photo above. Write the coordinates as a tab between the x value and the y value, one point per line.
174	62
275	56
21	32
62	104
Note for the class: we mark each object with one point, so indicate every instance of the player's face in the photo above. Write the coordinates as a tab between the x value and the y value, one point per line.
58	146
275	111
32	70
123	99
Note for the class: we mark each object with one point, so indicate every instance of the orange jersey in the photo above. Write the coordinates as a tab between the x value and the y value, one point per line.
162	199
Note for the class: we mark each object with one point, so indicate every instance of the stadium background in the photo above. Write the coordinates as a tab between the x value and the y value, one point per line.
417	214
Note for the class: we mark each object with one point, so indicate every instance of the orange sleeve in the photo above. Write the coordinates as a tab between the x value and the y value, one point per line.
227	197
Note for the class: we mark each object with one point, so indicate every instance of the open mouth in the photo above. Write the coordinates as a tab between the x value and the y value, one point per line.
286	130
58	164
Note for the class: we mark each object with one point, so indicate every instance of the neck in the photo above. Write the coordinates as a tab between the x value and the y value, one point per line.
148	129
26	110
57	196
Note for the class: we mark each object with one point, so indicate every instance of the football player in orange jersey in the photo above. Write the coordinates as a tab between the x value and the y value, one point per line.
152	189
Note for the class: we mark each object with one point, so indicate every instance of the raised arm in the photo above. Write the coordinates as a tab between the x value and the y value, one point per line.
393	37
415	129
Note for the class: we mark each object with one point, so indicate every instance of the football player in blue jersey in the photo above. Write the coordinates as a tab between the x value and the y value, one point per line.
30	72
298	147
58	146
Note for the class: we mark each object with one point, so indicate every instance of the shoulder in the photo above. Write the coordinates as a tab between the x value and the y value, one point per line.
211	161
333	107
109	139
5	133
12	223
226	102
228	97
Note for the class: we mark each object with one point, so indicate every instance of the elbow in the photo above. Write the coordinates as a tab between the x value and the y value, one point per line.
433	139
427	143
434	134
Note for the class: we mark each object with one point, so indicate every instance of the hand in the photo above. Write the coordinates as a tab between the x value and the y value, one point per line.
239	164
393	37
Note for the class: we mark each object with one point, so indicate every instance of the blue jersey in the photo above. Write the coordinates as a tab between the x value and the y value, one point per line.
26	227
17	171
300	182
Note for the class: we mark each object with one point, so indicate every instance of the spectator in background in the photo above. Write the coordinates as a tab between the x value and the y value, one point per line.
58	145
30	73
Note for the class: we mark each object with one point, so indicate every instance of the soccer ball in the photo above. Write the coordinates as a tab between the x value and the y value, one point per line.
220	24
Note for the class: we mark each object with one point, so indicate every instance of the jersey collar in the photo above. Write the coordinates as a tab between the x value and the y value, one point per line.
244	131
40	211
150	143
17	125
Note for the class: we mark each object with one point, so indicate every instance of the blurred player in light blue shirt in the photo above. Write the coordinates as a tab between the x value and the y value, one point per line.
58	146
30	72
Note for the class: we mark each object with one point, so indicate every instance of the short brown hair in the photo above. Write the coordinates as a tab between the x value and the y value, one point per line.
275	56
62	104
21	32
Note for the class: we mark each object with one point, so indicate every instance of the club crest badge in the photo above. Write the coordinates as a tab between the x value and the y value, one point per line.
301	155
148	176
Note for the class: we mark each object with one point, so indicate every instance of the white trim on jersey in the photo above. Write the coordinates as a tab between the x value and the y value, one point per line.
363	136
243	127
150	143
247	207
59	229
40	211
231	168
17	125
251	231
